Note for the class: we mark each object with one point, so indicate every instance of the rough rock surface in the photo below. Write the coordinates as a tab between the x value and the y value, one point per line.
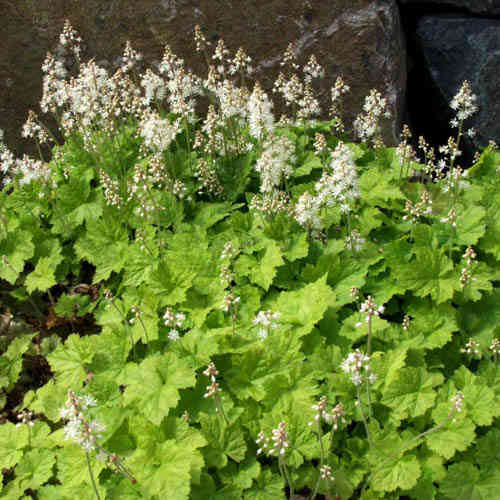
360	39
463	48
483	7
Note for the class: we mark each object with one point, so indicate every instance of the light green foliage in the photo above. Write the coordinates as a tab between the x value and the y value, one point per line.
99	251
152	386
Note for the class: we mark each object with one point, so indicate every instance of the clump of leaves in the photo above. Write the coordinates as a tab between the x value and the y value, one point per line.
275	309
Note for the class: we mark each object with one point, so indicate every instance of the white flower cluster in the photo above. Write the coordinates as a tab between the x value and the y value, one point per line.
307	210
276	162
464	103
339	183
337	91
80	428
229	302
371	309
273	203
313	70
367	124
280	442
466	272
357	365
232	100
322	412
422	208
213	388
228	252
29	168
130	58
158	133
69	40
25	417
291	89
182	85
33	170
260	115
458	404
326	473
33	129
154	87
455	179
472	348
354	241
267	320
241	63
174	321
308	104
494	348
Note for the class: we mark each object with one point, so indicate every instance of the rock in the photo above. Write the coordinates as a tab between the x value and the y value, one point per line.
360	39
458	48
483	7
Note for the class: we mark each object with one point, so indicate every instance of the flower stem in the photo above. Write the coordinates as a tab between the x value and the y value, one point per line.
92	476
286	475
363	416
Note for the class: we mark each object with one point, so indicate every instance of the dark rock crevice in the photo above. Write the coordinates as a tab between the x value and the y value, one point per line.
428	112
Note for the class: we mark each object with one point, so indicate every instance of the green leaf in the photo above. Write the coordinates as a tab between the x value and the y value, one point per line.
171	281
470	226
11	361
431	273
311	162
209	214
267	486
43	276
35	468
479	399
17	248
70	361
72	468
411	393
241	475
49	400
305	307
466	482
264	272
295	247
105	245
403	474
153	385
75	203
12	440
166	472
223	441
376	189
68	305
454	436
487	451
436	321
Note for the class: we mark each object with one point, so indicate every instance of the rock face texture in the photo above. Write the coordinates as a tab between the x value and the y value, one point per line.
458	48
483	7
362	40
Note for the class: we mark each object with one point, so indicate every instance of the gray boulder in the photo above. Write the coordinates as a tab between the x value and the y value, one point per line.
463	48
483	7
360	39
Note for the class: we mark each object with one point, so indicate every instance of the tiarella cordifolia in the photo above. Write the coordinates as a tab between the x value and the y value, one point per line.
80	426
339	183
357	365
275	164
267	321
367	124
260	116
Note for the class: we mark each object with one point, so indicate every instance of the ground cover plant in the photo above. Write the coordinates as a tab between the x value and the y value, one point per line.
239	307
